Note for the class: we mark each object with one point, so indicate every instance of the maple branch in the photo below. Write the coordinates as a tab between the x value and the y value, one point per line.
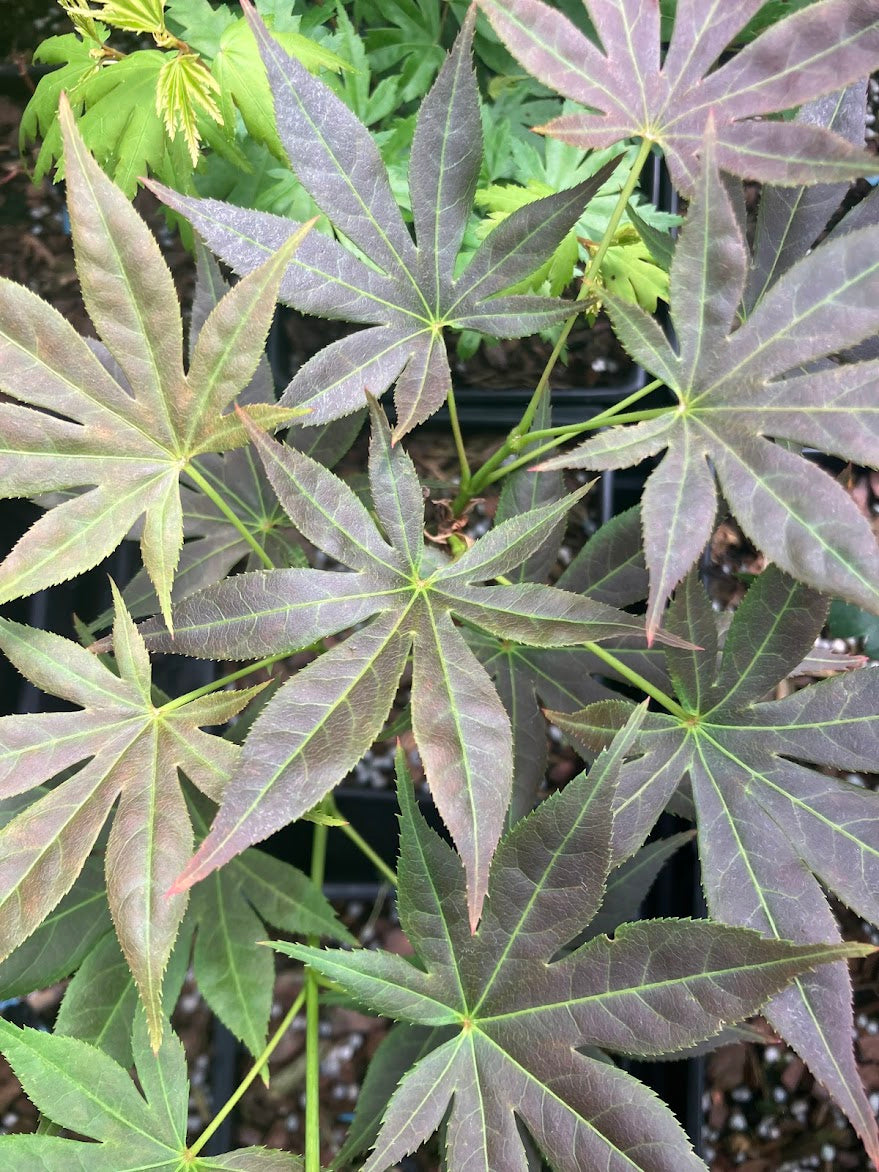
463	462
211	493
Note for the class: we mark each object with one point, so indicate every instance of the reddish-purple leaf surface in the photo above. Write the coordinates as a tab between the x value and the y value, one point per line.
323	720
734	401
632	92
413	293
508	1024
128	751
772	831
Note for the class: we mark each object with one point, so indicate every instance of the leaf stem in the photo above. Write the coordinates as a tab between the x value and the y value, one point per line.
211	493
634	677
459	438
607	416
595	263
215	685
363	846
312	1020
472	485
559	439
251	1075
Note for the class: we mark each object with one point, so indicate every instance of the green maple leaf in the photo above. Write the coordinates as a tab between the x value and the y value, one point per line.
509	1021
81	427
772	831
80	1088
322	721
132	751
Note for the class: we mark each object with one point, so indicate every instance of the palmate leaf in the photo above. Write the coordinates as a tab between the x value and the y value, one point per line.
80	1088
323	720
80	427
771	830
516	1019
732	397
669	102
408	294
130	752
213	544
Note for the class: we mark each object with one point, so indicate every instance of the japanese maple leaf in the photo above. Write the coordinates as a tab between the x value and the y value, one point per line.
668	101
130	440
509	1019
214	543
131	751
408	294
771	831
80	1088
319	724
734	400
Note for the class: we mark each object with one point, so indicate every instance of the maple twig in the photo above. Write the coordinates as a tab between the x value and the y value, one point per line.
250	1076
312	1020
564	434
463	462
595	263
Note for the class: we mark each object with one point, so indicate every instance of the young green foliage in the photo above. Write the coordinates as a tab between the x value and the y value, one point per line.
408	293
322	721
738	391
79	1088
517	1018
670	101
772	831
130	438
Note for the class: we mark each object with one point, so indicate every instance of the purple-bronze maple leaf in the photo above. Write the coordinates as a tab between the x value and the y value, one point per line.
324	719
410	292
771	831
513	1031
635	93
738	390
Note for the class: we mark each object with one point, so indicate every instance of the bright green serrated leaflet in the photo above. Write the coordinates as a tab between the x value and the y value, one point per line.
772	832
739	391
185	87
516	1020
132	751
132	441
241	77
323	720
81	1089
